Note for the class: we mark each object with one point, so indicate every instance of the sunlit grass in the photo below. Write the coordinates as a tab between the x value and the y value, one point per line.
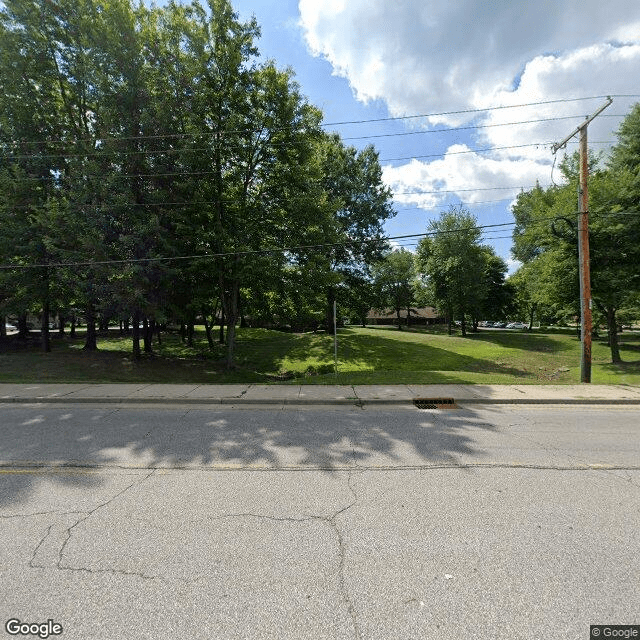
373	355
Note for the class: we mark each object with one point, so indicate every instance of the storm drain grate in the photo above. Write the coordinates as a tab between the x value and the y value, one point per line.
435	403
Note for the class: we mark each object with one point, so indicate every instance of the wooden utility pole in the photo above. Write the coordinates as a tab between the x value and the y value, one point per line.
583	242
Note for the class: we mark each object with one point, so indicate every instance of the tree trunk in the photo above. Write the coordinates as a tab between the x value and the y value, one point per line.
72	328
136	335
147	334
91	342
44	327
3	327
62	321
612	327
399	319
531	315
221	331
463	326
230	303
190	331
408	317
331	298
23	329
207	328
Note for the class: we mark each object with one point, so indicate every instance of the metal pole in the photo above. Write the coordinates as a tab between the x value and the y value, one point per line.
335	339
583	259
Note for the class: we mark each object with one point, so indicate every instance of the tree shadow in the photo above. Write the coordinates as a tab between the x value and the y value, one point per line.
523	340
380	353
66	443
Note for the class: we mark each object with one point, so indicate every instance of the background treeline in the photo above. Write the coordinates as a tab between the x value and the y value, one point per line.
129	135
545	240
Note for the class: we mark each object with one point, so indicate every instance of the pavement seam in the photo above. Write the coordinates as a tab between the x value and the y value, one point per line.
86	467
357	401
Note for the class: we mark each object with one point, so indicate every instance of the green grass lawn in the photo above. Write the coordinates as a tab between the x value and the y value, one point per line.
375	355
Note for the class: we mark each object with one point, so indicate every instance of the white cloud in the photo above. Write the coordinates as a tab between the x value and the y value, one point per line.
449	53
444	55
470	176
512	266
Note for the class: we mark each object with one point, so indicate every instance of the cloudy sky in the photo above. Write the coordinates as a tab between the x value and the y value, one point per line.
465	67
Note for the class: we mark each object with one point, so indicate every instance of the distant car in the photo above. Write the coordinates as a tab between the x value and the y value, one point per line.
499	325
488	324
10	327
520	325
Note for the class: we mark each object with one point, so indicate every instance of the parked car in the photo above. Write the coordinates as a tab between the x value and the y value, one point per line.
10	327
499	325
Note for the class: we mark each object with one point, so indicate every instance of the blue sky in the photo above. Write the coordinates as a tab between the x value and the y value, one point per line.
368	59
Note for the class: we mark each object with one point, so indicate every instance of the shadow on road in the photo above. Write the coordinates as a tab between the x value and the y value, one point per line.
68	440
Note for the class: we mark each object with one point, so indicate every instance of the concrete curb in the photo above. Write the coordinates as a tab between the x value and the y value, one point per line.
359	402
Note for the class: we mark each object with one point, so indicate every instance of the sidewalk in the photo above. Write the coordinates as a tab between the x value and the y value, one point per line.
360	395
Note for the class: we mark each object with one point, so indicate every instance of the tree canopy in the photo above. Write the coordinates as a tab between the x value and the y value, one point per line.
155	169
545	236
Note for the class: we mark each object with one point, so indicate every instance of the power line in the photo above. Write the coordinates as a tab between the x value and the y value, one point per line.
82	207
293	249
249	132
253	251
244	253
469	127
401	193
486	149
479	110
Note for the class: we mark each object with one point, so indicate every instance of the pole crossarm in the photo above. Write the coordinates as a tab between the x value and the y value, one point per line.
560	145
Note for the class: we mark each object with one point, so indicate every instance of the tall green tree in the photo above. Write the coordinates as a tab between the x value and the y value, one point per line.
393	279
360	203
452	262
545	238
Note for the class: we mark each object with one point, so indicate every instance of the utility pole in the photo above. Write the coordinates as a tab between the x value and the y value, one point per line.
583	242
335	340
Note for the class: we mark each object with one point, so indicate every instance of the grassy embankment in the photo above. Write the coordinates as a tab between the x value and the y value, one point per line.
380	355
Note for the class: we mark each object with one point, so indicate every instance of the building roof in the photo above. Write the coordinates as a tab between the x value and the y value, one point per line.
390	314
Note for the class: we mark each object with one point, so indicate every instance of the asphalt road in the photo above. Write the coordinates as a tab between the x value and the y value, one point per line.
186	522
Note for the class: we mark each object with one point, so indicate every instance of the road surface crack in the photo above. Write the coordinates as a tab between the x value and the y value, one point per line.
35	551
40	513
331	521
69	530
